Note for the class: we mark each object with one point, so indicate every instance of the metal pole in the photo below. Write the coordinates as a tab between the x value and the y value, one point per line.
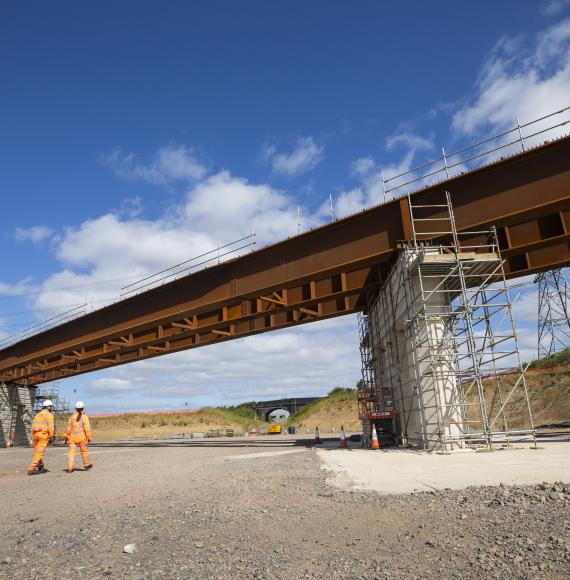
331	207
218	251
445	162
520	133
383	184
298	220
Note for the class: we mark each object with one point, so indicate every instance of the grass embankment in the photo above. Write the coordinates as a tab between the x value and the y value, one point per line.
549	395
340	408
164	424
554	359
549	391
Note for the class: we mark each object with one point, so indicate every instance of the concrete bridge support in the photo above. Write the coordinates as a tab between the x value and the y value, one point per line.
413	354
16	414
441	336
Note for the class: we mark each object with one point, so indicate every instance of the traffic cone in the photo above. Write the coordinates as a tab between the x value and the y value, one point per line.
374	443
342	442
317	439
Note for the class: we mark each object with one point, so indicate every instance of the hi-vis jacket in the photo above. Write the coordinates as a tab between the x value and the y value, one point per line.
43	424
78	428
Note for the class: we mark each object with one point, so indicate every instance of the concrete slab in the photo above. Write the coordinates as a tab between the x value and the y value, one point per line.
256	454
405	471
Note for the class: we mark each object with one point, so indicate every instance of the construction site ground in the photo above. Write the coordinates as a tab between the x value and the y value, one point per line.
271	508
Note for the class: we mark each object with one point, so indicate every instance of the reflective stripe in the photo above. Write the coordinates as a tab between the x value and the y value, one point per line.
43	421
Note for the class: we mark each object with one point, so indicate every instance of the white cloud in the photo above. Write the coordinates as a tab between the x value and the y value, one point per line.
21	288
304	157
528	78
232	206
554	7
34	234
131	207
171	163
367	171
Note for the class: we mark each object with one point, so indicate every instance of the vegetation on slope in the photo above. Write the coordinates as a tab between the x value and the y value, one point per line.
338	409
163	424
554	359
549	396
549	392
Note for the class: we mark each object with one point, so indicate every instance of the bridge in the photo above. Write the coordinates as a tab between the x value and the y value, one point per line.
316	275
264	408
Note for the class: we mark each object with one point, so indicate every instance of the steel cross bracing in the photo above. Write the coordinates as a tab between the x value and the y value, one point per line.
319	274
553	319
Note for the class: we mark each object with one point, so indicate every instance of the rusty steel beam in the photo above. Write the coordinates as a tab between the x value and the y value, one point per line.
317	275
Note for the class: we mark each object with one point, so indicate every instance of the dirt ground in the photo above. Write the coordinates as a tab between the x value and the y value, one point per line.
262	508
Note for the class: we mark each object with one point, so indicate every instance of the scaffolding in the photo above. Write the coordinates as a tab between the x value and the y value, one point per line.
553	320
375	400
60	406
443	342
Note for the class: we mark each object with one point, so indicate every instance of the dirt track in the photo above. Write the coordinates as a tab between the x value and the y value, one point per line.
231	509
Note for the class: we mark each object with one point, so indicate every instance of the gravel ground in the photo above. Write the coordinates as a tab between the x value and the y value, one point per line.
263	510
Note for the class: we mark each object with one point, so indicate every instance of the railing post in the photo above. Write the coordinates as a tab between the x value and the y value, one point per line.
383	184
520	133
445	162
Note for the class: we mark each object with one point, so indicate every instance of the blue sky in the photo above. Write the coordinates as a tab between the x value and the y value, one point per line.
136	134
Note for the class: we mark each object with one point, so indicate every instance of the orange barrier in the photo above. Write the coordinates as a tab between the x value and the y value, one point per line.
317	439
374	443
342	442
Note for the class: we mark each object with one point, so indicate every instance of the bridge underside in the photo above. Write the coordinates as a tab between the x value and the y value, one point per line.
323	273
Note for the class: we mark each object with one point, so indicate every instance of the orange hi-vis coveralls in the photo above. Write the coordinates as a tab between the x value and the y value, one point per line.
42	429
78	433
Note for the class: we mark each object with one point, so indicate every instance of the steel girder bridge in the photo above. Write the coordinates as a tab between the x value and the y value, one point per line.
316	275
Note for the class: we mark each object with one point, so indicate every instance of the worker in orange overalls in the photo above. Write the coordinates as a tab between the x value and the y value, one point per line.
43	433
78	433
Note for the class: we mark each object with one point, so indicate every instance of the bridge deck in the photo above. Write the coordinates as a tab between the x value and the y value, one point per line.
323	273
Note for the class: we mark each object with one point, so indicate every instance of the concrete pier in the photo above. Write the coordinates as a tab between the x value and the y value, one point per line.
16	414
420	339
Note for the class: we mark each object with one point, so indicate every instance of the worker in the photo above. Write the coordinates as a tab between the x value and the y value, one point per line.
43	433
78	433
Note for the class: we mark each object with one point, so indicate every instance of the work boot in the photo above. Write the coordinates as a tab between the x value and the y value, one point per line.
88	467
35	472
69	470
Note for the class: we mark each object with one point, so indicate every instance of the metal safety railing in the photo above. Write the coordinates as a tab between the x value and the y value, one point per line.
202	261
44	325
213	257
444	165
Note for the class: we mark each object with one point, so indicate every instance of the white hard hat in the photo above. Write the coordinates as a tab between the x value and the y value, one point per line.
47	403
79	405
